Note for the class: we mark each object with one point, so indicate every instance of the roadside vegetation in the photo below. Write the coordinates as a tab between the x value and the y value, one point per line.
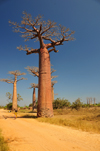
3	144
81	116
78	115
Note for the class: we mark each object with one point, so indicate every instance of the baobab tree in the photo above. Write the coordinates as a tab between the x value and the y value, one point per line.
33	85
35	72
55	35
14	81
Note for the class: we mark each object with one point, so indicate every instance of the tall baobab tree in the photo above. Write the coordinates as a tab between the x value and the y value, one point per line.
14	81
33	85
54	36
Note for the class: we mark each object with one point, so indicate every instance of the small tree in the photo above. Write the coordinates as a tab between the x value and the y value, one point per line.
60	103
55	35
9	96
52	89
14	81
77	104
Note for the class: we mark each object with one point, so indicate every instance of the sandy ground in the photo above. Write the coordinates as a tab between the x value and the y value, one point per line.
24	134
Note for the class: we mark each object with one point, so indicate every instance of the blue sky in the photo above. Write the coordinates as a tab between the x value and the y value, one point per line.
77	62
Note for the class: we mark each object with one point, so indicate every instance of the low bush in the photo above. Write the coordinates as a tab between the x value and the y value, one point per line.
9	106
77	104
60	103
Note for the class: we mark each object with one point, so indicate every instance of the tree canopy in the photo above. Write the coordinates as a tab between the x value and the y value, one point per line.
41	30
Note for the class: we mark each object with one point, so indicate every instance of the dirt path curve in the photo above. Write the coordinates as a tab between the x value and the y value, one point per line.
25	134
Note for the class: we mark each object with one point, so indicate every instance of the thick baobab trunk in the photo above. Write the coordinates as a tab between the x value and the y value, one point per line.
44	108
52	91
14	103
34	99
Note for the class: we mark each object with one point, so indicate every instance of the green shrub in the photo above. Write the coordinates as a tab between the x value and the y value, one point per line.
77	104
98	104
30	105
60	103
9	106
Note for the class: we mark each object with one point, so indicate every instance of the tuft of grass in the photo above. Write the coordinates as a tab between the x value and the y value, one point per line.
3	144
86	119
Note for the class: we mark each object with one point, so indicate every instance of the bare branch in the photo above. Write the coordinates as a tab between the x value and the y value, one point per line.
27	50
7	80
52	70
33	85
53	49
16	73
22	79
52	77
33	71
53	83
42	30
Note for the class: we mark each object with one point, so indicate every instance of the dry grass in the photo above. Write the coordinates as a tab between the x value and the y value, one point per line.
86	119
3	144
25	113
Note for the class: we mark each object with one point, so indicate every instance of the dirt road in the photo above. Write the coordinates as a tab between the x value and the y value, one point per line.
24	134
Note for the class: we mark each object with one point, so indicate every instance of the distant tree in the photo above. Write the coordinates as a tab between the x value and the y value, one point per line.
77	104
55	35
52	88
14	81
33	85
35	72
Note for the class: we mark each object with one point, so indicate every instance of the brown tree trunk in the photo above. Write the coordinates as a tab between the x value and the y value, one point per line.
14	102
34	99
44	108
52	91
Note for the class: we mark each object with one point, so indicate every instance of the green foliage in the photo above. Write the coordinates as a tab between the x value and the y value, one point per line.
98	104
9	96
60	103
19	98
5	107
30	105
77	104
9	106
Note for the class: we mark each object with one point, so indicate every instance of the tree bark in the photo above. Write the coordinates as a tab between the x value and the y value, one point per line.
44	108
52	91
34	99
14	103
